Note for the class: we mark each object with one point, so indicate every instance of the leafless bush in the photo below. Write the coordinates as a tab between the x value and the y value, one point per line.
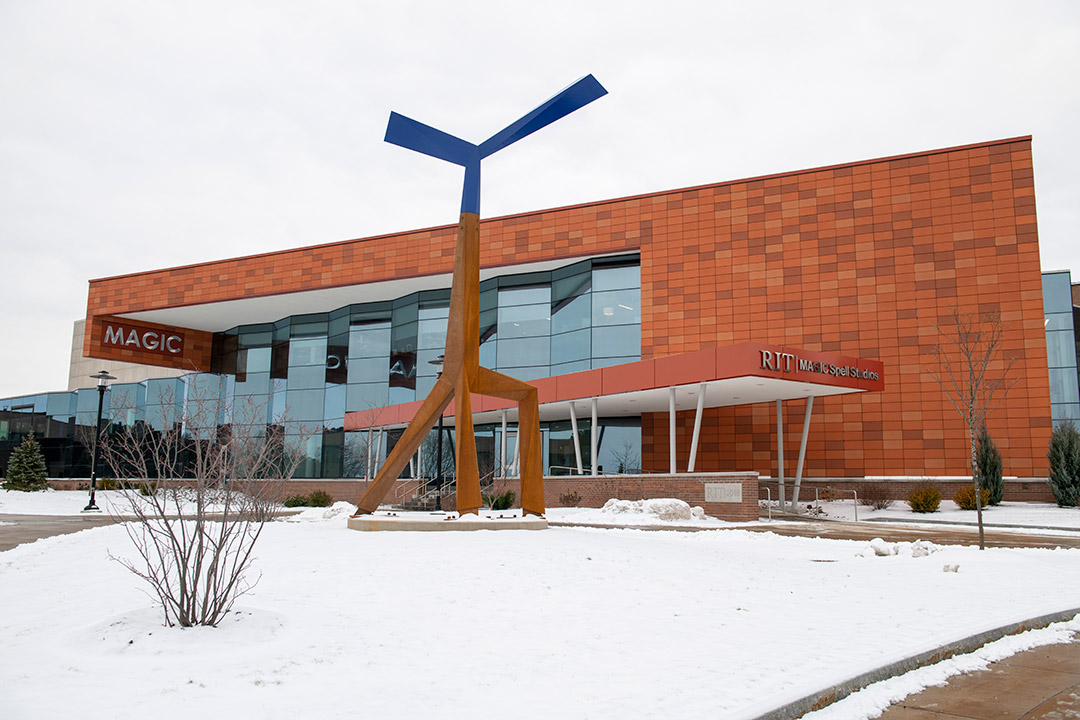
570	499
876	495
215	486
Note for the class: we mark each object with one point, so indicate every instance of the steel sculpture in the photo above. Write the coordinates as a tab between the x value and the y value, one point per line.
462	373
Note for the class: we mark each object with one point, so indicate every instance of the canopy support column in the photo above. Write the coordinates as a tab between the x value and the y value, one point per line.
671	431
577	439
780	452
594	435
697	427
802	451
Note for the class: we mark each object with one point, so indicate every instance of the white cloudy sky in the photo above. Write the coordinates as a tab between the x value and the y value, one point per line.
137	134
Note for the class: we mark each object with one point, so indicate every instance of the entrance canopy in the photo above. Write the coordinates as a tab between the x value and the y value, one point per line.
736	375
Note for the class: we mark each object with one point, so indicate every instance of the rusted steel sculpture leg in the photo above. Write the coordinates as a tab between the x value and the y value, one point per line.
399	457
498	385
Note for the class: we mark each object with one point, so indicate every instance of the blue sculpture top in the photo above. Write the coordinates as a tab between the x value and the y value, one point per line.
427	140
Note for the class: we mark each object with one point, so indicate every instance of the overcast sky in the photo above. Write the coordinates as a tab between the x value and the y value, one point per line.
137	134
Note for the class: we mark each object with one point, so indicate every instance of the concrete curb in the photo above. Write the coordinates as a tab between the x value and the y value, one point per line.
829	695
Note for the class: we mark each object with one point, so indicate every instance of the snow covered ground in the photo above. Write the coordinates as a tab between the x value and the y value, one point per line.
563	623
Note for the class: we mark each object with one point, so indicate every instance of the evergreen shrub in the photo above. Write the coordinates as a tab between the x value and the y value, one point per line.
988	467
965	497
925	499
320	498
26	467
1064	457
502	501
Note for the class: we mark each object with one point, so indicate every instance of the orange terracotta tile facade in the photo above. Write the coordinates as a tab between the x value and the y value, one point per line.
860	259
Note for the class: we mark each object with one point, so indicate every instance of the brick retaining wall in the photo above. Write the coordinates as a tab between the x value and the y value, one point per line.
594	492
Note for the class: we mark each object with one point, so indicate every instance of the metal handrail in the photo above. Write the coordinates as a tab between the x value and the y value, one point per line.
817	497
768	492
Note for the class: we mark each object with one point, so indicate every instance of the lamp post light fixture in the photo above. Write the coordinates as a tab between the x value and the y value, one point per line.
103	379
438	363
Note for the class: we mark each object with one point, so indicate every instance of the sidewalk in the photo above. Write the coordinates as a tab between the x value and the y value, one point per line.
1042	683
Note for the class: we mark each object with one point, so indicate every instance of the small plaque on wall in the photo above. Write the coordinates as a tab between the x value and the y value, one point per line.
723	492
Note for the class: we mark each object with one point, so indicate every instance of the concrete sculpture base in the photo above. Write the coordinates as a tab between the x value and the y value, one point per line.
436	522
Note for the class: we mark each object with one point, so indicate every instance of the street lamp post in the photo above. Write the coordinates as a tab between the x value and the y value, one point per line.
438	363
102	378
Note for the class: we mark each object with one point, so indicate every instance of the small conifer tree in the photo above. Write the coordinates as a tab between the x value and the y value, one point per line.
988	462
26	468
1064	457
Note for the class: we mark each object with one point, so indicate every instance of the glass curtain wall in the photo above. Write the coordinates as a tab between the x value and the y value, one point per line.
305	372
1061	346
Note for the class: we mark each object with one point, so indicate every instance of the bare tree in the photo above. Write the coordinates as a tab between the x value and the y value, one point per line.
973	370
199	495
626	458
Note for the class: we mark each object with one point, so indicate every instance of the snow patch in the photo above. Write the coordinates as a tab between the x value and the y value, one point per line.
338	511
917	549
666	509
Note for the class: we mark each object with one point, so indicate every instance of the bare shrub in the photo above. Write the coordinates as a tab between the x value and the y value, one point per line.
875	495
215	484
570	499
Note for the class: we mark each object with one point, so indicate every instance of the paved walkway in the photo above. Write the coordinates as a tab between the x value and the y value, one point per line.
945	535
1040	684
19	529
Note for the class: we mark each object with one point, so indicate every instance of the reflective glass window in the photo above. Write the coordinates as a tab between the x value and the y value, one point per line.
304	406
602	362
1066	411
253	360
1061	349
524	321
1059	321
372	340
367	370
253	384
305	352
616	278
570	347
570	367
620	446
60	404
334	406
617	341
521	352
158	391
487	355
1063	385
332	453
252	410
527	373
312	376
432	333
400	394
617	307
309	449
425	367
366	396
572	314
524	295
254	339
1057	292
